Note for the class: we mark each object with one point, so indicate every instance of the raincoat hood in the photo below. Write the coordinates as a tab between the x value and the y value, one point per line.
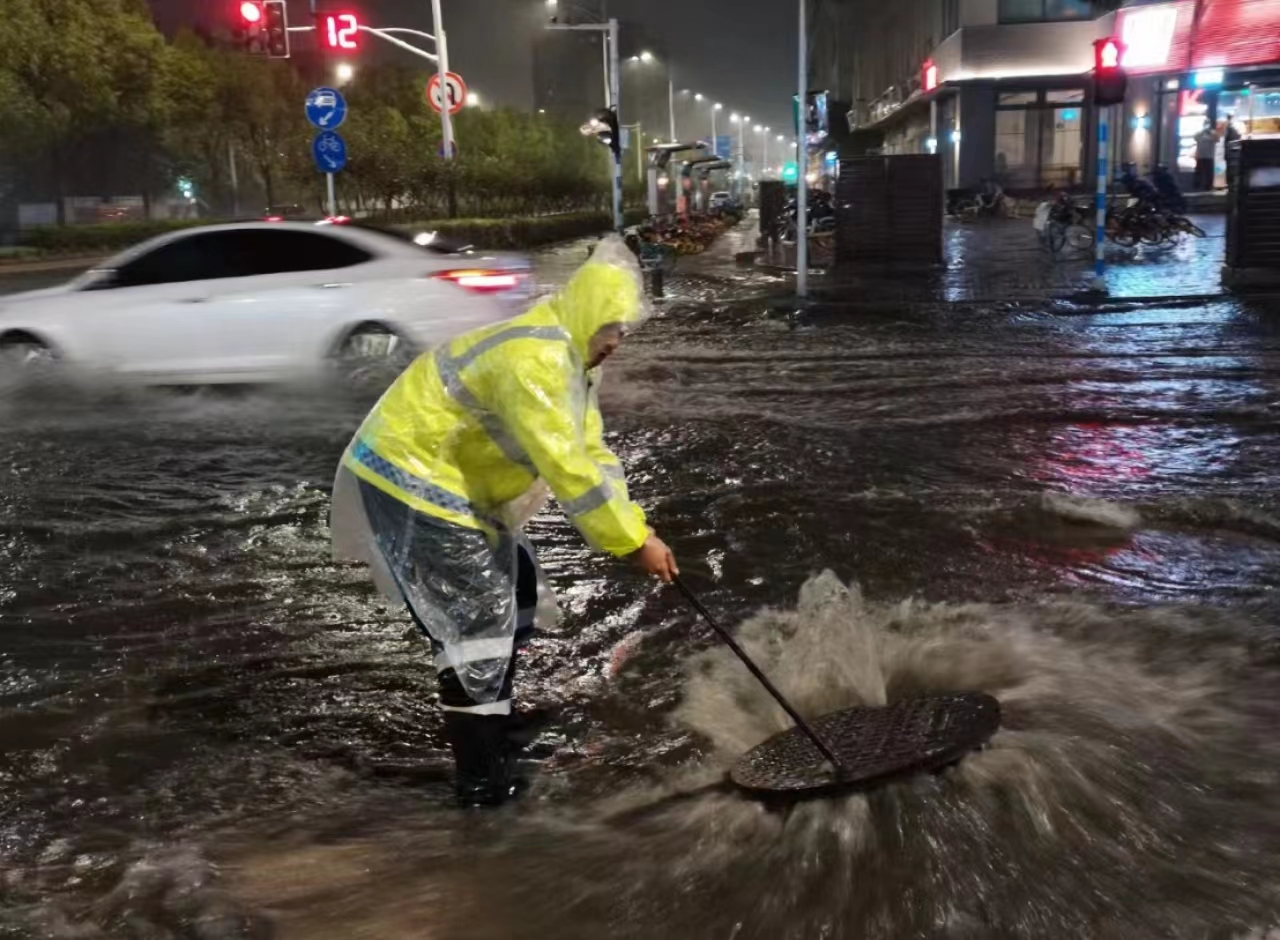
607	289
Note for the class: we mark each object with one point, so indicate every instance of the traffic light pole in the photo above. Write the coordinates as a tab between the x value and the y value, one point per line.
610	30
617	148
1100	203
442	51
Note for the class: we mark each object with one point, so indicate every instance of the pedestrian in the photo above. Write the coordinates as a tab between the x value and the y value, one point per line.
1206	149
463	449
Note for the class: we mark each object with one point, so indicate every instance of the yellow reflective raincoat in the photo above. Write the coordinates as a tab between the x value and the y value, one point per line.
469	430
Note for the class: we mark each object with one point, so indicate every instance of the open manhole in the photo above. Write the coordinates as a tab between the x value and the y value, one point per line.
874	744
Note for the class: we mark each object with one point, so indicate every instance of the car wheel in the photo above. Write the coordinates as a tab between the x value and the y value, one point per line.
373	356
22	356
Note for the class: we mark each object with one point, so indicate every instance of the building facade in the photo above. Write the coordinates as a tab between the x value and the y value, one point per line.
1004	94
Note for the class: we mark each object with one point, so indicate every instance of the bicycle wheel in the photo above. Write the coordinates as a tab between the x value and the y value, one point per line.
1079	238
1057	236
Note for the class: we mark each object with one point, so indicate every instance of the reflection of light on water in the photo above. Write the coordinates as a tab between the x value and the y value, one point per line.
1093	452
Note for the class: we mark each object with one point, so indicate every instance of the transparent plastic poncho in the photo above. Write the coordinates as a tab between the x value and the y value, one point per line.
460	581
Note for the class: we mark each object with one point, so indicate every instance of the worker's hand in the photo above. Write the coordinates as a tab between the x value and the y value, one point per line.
655	558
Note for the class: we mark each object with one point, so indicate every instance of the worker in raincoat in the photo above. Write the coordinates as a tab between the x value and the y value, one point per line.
459	453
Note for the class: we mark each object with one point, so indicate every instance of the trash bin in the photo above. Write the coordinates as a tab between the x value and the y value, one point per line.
1253	214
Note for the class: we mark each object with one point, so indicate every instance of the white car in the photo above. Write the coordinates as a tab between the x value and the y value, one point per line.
260	302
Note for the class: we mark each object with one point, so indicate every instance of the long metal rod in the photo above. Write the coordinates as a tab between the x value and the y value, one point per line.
802	161
442	48
738	651
408	47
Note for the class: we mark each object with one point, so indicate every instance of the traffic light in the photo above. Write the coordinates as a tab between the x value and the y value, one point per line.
339	32
277	28
251	30
605	128
1109	79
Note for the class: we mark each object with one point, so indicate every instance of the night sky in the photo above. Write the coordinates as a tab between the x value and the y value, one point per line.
741	52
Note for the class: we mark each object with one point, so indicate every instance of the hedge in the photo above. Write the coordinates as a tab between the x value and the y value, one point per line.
102	237
517	233
523	232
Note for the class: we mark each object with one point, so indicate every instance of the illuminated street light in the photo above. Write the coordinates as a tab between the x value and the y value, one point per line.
734	118
718	106
473	99
781	138
697	96
344	72
646	56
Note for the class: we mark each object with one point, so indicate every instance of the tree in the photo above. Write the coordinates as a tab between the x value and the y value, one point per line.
75	71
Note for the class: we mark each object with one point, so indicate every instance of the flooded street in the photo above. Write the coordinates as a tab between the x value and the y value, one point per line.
210	730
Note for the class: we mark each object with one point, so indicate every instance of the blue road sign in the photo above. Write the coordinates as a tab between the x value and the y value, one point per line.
326	108
723	146
330	152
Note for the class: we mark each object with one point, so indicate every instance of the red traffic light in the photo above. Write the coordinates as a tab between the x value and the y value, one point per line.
1107	54
1109	80
251	12
340	31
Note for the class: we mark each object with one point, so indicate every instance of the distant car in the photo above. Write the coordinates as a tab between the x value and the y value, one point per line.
261	302
720	200
283	213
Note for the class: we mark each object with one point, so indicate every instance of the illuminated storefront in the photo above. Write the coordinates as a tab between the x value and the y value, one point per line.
1215	61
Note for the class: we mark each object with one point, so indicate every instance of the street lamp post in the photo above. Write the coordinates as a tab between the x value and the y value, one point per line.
613	78
446	119
714	108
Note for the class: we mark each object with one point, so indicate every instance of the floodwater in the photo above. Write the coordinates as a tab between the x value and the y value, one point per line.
211	731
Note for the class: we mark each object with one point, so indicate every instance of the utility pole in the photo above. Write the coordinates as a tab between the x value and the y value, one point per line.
802	160
614	96
446	119
671	103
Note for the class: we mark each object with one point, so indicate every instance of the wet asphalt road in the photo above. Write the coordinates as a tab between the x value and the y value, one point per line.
208	726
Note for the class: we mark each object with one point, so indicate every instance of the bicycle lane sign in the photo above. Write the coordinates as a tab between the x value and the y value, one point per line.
329	151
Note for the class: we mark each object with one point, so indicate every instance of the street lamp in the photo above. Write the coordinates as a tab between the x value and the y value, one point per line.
647	57
344	72
697	96
473	99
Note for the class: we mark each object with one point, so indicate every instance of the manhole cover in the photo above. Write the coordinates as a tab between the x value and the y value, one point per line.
874	744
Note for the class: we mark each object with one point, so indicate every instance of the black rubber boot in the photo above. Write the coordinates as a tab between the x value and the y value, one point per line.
481	756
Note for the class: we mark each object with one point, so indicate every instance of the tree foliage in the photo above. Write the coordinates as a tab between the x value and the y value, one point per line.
103	105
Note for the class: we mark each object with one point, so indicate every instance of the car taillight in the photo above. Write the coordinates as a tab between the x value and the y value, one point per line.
273	218
481	280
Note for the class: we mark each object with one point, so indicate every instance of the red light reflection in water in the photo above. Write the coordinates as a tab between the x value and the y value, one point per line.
1081	454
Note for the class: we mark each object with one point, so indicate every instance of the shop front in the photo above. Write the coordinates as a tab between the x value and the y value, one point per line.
1212	65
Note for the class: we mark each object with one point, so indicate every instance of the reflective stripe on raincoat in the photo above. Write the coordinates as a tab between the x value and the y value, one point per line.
471	432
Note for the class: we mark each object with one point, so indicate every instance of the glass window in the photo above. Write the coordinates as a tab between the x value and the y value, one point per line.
1070	96
1038	147
1062	147
1015	148
1038	11
203	257
1018	98
1068	10
280	251
212	256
